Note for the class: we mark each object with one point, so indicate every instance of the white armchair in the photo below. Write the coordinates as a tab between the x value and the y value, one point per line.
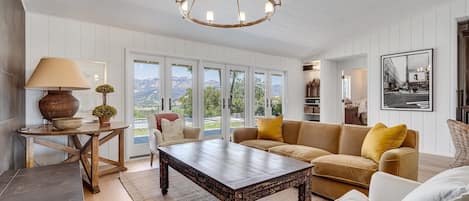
383	187
156	137
451	184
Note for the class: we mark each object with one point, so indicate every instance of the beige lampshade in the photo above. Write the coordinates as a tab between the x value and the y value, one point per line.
57	73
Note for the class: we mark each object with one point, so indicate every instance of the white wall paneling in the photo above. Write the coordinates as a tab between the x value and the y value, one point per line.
61	37
434	28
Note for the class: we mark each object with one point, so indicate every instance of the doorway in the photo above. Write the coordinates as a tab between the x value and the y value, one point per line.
354	90
224	90
157	84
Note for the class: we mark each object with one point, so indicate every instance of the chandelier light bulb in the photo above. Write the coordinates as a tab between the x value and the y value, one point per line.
185	6
242	17
269	7
210	17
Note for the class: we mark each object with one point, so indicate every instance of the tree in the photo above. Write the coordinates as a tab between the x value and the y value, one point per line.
259	95
212	102
186	104
212	99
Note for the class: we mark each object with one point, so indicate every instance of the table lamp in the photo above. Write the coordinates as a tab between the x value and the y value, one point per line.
59	76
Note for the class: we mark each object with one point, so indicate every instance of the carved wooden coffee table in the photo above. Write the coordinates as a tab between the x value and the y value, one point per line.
235	172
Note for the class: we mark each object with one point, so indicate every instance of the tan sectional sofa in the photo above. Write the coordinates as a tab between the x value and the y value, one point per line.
335	152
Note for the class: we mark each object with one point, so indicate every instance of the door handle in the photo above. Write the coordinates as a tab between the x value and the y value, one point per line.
223	104
162	104
170	105
267	102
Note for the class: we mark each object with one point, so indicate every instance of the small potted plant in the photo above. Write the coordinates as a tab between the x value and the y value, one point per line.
104	112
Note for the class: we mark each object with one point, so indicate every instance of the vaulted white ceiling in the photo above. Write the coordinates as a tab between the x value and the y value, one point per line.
300	28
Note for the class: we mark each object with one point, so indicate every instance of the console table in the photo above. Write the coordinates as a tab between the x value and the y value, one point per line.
87	153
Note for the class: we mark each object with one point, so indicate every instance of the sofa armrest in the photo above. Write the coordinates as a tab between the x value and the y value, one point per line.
401	162
154	139
243	134
387	187
191	133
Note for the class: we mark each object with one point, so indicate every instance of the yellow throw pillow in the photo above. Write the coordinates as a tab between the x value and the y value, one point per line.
270	128
381	139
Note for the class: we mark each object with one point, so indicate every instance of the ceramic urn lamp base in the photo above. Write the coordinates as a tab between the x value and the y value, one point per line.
58	104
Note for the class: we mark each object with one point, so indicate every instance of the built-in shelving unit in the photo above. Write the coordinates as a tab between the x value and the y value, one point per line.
312	111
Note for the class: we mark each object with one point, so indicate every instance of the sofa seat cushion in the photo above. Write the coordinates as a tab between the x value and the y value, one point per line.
173	142
354	170
300	152
262	144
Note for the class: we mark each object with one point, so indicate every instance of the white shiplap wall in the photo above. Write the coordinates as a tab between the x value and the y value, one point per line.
60	37
435	28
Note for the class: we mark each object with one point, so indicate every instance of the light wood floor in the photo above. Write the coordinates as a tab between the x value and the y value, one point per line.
112	189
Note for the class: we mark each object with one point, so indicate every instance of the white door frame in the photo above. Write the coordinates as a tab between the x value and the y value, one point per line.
131	56
169	61
268	91
247	109
222	68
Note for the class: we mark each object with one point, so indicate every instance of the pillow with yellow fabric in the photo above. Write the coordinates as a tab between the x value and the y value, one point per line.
270	128
381	139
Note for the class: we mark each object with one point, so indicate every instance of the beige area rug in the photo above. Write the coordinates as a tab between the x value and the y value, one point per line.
145	186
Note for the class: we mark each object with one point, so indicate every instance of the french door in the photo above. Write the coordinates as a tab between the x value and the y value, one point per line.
268	94
224	105
157	84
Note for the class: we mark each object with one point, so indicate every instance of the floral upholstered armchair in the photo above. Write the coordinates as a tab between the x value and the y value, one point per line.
157	137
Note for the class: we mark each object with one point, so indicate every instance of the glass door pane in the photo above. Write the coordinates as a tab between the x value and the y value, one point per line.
237	99
181	98
260	94
147	94
276	99
213	111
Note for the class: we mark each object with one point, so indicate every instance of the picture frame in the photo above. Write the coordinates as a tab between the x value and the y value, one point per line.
95	73
407	81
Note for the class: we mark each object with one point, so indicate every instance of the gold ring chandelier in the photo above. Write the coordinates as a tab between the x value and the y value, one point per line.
185	8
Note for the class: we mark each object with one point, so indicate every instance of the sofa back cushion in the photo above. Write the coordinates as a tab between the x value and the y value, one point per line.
351	139
411	140
290	131
320	135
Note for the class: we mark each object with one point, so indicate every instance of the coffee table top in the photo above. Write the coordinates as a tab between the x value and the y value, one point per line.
233	165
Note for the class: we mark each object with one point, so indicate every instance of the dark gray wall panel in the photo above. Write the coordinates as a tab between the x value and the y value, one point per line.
12	67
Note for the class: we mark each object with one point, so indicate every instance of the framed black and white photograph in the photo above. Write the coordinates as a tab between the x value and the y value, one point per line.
407	81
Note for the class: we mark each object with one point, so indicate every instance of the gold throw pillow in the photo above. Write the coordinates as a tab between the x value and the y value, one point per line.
270	128
381	139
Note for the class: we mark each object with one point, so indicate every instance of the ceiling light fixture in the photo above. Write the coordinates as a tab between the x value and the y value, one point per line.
186	11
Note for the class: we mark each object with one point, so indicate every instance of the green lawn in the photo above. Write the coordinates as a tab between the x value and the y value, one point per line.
140	132
215	125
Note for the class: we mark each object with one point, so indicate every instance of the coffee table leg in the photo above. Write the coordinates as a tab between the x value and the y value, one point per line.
304	190
164	183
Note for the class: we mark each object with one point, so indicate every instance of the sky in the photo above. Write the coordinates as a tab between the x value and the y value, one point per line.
150	71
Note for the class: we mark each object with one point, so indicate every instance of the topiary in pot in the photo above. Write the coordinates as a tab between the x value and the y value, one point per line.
104	112
105	89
